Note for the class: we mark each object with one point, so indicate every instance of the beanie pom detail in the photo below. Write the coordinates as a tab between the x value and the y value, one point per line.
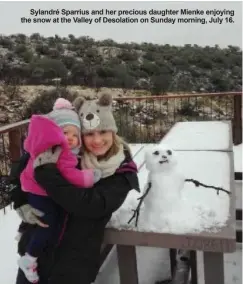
61	103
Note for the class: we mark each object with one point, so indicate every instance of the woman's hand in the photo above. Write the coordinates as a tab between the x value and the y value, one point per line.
50	156
30	215
97	175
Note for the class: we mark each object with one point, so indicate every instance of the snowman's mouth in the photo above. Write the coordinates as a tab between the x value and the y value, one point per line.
165	161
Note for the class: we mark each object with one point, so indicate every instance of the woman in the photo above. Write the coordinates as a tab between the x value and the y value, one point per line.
75	259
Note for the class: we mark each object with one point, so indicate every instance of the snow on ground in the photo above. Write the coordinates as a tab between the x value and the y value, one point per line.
153	263
8	246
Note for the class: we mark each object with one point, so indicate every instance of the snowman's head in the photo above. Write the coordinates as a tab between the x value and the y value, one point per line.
160	158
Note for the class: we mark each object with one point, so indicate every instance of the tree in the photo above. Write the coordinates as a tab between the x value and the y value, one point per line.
43	103
52	68
160	84
42	49
82	60
20	48
27	56
6	42
128	55
78	73
35	36
21	38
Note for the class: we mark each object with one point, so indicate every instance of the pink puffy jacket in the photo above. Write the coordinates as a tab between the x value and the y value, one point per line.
43	134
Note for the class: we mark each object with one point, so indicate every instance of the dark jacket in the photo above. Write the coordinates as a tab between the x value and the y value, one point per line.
76	259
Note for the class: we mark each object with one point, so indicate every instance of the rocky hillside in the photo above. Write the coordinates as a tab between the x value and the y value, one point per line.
37	60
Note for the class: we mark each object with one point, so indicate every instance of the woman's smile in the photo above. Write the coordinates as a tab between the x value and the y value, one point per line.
98	142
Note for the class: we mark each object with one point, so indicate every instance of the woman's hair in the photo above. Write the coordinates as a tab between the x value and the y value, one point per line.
117	142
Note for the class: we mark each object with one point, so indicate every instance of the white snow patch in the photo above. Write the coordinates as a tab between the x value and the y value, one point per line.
238	157
199	135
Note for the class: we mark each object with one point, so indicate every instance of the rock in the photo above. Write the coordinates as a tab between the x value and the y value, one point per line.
3	98
3	117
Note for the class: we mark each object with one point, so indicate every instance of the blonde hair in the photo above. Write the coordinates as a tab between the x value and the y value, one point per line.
117	142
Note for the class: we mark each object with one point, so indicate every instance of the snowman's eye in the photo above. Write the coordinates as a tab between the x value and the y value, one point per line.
156	153
169	152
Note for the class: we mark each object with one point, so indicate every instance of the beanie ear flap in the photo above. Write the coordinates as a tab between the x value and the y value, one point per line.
78	102
105	99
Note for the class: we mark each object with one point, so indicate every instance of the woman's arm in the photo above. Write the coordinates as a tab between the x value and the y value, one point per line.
27	213
104	198
18	197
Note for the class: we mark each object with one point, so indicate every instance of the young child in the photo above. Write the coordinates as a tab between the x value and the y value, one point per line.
59	127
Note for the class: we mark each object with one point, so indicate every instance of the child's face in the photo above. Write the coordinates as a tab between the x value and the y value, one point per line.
72	134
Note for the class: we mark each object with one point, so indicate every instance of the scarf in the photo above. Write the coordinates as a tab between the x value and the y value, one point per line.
107	167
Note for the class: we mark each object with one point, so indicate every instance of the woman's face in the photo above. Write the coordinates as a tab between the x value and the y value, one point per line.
98	142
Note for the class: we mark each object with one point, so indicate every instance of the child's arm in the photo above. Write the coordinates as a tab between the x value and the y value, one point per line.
67	164
81	178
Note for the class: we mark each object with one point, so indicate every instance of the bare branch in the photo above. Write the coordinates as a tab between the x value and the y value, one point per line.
137	210
198	183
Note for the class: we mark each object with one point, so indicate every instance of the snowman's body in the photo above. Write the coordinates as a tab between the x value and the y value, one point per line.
164	196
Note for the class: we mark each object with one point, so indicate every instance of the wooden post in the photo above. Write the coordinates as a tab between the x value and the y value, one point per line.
127	262
213	267
14	144
237	120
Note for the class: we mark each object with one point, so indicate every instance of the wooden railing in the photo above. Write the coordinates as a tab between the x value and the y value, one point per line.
145	119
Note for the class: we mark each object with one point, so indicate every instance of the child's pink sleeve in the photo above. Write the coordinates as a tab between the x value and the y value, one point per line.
67	165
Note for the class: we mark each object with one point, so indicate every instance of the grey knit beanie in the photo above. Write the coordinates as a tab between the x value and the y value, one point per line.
96	114
64	113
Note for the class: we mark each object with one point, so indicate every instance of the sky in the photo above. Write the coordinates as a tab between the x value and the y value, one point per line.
178	34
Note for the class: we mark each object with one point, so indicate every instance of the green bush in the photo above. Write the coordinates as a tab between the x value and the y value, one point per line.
44	102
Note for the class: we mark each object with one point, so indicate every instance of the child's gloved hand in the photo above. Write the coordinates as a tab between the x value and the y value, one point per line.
30	215
97	175
50	156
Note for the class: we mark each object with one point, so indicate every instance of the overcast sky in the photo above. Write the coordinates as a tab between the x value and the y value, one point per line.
178	34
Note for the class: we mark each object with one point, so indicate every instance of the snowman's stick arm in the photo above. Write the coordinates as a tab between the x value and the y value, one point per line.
198	183
137	210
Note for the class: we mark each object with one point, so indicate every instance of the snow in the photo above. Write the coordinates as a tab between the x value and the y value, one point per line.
198	209
8	246
238	157
153	263
138	153
135	148
199	135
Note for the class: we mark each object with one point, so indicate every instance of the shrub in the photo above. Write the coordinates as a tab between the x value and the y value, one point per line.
43	103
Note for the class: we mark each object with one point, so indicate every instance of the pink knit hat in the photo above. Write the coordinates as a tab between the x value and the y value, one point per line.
64	114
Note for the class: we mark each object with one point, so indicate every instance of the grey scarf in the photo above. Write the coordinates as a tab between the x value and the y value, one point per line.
107	167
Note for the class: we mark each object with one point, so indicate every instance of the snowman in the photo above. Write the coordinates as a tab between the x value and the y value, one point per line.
174	203
166	184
